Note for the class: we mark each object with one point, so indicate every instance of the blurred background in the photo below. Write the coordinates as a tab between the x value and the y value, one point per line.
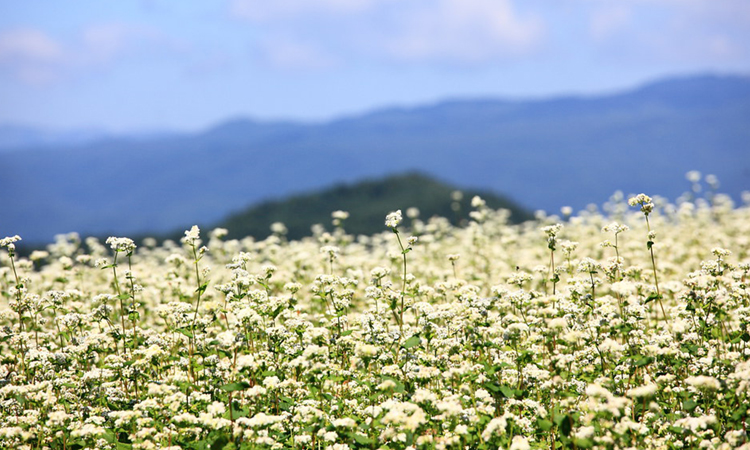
145	117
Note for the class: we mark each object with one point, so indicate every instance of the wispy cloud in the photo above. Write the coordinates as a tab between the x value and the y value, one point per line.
608	21
286	52
263	10
405	31
466	31
30	55
36	58
671	31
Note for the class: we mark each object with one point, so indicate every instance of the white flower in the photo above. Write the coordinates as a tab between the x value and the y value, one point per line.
615	227
87	430
345	422
393	219
340	215
693	176
192	235
552	230
4	242
123	244
642	391
644	201
386	384
496	425
270	382
704	382
720	252
278	228
364	350
519	443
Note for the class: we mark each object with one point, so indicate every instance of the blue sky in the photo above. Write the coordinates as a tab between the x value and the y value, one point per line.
185	65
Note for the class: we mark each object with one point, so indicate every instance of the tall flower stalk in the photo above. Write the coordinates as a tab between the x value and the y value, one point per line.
127	246
551	232
192	239
392	221
615	272
9	243
647	206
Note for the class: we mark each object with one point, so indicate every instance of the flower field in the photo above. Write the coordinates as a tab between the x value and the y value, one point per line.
628	328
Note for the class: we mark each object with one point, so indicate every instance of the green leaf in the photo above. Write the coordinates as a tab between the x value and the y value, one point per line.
565	422
234	387
544	424
494	386
507	391
220	442
643	361
185	332
110	436
689	405
652	297
583	443
361	439
412	342
277	311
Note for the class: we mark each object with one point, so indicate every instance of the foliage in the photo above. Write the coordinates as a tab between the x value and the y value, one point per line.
453	337
367	203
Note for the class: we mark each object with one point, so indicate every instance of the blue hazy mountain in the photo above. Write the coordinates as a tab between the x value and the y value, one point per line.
543	154
21	136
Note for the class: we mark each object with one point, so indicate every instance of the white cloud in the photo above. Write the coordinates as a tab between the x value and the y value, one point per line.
30	55
466	31
33	57
605	22
103	42
288	53
695	32
443	31
263	10
28	44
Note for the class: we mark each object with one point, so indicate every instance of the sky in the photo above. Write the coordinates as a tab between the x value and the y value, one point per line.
178	65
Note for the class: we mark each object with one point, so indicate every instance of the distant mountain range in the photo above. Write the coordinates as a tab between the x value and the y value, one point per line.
544	154
19	136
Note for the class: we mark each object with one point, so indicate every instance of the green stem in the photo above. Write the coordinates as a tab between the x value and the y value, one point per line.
198	302
403	285
119	297
653	265
552	271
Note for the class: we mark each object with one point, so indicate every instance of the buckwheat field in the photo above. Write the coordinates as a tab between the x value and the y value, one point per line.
621	328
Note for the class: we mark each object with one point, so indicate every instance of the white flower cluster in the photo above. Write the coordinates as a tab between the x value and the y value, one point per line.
334	342
392	220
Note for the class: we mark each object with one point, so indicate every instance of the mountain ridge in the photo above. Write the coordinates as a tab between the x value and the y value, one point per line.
544	154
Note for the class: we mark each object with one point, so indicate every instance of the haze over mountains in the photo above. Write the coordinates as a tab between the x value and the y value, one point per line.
544	154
